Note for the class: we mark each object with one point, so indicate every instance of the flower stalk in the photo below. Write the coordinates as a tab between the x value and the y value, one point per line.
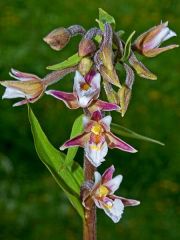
89	224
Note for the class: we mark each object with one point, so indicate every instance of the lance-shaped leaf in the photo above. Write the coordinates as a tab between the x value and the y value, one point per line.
127	48
105	17
77	129
54	161
140	69
71	61
120	130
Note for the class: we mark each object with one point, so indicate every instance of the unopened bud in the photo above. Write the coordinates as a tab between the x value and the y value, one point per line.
86	47
58	38
124	95
85	66
148	43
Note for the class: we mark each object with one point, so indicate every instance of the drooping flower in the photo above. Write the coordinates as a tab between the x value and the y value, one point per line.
29	86
103	196
85	90
148	43
96	139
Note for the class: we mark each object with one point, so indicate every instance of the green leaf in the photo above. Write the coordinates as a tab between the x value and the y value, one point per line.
127	48
120	130
77	128
104	17
70	62
54	160
120	33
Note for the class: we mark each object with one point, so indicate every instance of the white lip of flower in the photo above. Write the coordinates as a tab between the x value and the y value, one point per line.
12	93
96	152
86	92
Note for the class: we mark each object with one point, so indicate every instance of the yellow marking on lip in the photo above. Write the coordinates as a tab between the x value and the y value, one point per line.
95	147
85	86
97	129
102	191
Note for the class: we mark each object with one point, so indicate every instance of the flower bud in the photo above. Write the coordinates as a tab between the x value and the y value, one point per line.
85	66
58	38
148	43
124	95
86	47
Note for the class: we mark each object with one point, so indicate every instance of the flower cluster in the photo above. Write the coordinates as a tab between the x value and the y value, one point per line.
101	54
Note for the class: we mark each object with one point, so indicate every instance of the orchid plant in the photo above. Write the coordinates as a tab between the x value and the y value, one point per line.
101	57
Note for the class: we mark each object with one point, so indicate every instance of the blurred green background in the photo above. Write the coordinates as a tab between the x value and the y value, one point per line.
31	204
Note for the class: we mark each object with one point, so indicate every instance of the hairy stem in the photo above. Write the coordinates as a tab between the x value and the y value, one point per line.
89	228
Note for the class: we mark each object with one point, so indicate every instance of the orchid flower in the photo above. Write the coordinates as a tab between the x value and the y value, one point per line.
29	87
148	43
103	196
85	90
96	139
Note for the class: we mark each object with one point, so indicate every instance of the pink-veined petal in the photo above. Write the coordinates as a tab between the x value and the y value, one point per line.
89	76
105	122
98	203
107	175
106	106
114	183
96	116
68	98
126	201
115	142
96	81
156	40
80	140
22	76
28	100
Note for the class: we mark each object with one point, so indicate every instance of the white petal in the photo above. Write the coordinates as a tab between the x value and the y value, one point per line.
97	177
84	101
114	183
169	35
98	203
116	211
12	93
78	78
107	120
160	37
96	81
85	121
96	152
